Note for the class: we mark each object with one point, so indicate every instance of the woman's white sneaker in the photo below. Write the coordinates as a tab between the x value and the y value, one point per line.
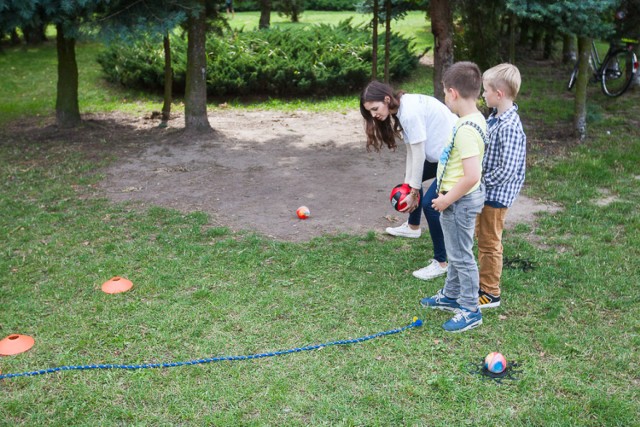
404	231
431	271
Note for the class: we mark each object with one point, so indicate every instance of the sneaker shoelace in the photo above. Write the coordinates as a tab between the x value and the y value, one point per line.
460	314
439	296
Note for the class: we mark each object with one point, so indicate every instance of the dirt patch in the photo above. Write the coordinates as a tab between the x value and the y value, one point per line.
261	166
254	171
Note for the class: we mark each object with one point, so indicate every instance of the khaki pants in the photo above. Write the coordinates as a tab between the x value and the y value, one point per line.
489	226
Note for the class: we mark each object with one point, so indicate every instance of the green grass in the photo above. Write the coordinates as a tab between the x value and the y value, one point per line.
29	87
571	323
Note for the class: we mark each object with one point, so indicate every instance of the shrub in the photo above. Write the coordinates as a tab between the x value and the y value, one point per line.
316	60
253	5
331	4
135	64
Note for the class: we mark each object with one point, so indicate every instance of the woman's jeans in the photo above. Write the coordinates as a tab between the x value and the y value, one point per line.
432	215
458	224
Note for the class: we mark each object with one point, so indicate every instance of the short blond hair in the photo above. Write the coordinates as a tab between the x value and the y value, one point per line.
504	77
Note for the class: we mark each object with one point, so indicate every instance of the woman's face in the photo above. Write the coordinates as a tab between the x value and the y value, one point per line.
379	109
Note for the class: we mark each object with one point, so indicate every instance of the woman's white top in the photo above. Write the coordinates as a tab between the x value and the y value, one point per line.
426	126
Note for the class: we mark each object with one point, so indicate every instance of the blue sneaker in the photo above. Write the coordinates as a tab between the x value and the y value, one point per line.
440	302
463	320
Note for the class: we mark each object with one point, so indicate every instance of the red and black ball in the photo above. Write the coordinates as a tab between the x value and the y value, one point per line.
398	196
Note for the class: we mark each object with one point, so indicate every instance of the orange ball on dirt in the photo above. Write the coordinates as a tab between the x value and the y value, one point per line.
303	212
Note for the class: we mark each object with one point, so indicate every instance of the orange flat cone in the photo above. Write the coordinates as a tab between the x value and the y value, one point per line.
15	344
116	285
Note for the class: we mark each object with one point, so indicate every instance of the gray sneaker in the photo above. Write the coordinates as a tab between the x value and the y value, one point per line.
404	231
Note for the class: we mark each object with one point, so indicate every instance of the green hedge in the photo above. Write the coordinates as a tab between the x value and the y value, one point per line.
331	4
253	5
316	60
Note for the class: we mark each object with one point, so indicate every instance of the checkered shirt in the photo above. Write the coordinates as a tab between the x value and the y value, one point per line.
505	157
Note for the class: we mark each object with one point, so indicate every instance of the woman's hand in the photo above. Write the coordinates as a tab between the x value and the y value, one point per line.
412	200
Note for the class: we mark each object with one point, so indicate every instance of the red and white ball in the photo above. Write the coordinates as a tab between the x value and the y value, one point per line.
495	363
303	212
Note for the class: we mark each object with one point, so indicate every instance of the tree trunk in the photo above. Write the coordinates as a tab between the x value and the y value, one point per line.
387	39
168	82
524	32
568	49
481	35
513	21
549	43
67	109
580	108
34	34
15	38
265	14
195	99
374	42
536	39
442	29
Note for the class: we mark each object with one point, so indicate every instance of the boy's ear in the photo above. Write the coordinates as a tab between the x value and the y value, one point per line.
452	93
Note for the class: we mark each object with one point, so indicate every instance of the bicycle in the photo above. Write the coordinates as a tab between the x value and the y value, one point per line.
615	72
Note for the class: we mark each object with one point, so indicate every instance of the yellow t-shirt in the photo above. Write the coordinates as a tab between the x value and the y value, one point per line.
468	143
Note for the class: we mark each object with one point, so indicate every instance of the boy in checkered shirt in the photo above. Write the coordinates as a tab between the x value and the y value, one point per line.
503	174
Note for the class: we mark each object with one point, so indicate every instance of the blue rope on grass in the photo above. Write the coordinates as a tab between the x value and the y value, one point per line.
416	323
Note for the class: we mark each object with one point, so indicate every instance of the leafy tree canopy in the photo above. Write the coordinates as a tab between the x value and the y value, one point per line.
398	12
17	13
70	14
590	18
123	19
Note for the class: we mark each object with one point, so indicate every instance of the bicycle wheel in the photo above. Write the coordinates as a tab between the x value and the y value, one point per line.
618	72
573	77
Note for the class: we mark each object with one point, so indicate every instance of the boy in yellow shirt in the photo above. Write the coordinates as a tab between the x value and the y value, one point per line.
461	197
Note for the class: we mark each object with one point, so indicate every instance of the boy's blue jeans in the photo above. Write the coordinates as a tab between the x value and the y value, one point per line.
458	225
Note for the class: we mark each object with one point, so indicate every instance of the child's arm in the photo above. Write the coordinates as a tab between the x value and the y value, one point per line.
472	172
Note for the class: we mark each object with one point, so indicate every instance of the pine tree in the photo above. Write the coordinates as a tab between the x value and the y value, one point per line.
586	19
159	17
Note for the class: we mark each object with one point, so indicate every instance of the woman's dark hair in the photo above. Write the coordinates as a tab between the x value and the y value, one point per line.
380	132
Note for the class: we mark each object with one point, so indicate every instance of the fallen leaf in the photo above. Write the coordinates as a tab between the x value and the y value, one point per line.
131	189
